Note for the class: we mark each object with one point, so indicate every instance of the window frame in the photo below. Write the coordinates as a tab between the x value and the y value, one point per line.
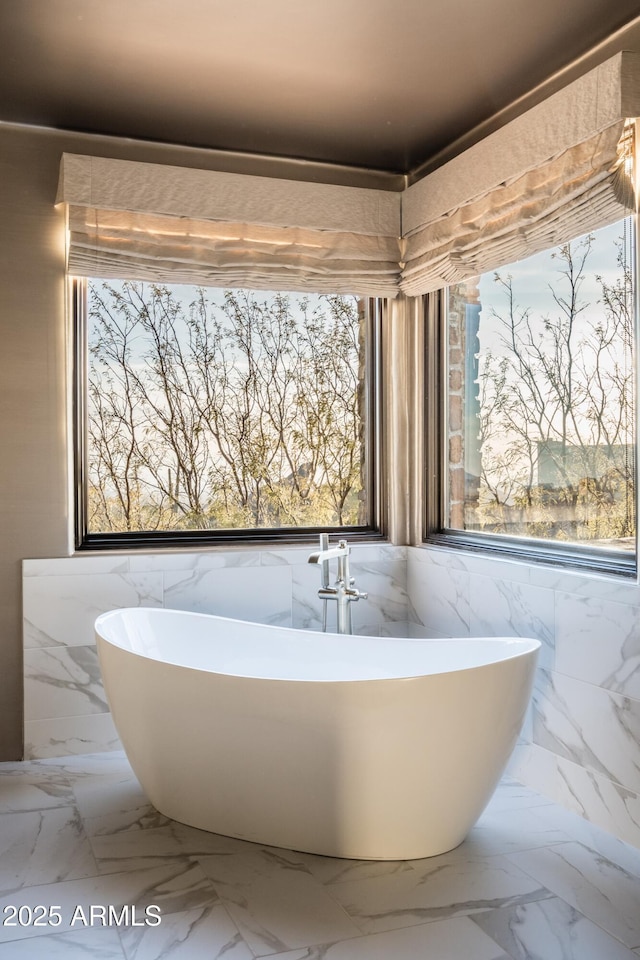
570	556
84	540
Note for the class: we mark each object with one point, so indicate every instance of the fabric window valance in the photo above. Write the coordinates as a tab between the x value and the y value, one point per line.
557	171
153	222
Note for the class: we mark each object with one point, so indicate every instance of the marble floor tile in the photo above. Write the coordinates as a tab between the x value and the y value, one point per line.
173	888
597	887
88	765
275	901
207	933
434	889
511	795
137	849
549	930
114	804
441	940
90	944
336	870
502	830
532	882
43	847
33	788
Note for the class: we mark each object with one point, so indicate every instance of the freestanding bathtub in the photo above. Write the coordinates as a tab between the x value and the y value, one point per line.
359	747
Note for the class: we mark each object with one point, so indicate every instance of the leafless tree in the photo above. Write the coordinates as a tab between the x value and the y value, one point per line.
557	410
239	413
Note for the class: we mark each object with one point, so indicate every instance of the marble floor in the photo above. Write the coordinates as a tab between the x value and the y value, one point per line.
77	837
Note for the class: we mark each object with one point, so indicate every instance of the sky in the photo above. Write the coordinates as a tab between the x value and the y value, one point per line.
532	279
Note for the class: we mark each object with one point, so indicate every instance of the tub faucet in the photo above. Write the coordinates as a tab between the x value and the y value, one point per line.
343	590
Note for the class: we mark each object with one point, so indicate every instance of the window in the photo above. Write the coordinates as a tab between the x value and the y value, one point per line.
217	414
540	419
193	422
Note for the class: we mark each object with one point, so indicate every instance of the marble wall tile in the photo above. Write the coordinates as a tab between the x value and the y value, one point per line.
199	561
306	606
507	608
75	566
606	587
439	597
613	663
261	594
622	589
378	553
406	629
63	682
67	736
598	641
440	557
599	800
287	556
472	562
61	610
593	727
593	885
385	582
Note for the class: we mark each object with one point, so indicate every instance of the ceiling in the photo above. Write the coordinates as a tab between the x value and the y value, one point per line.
389	85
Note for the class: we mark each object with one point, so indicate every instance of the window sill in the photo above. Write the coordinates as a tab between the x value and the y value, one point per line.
564	557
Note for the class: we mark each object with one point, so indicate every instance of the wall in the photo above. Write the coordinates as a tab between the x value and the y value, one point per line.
581	742
66	711
34	476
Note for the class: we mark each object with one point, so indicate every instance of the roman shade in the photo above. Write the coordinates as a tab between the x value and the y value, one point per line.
147	221
558	171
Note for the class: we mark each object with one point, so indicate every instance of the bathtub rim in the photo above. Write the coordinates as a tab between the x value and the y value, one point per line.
521	647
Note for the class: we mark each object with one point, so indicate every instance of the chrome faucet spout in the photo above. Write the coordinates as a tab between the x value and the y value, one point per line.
333	553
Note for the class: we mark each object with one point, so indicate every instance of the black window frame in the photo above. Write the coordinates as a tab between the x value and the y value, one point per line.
223	537
560	555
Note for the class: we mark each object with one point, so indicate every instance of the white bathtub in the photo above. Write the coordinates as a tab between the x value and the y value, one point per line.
354	747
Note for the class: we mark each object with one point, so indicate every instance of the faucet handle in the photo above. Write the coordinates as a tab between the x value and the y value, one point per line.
324	568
